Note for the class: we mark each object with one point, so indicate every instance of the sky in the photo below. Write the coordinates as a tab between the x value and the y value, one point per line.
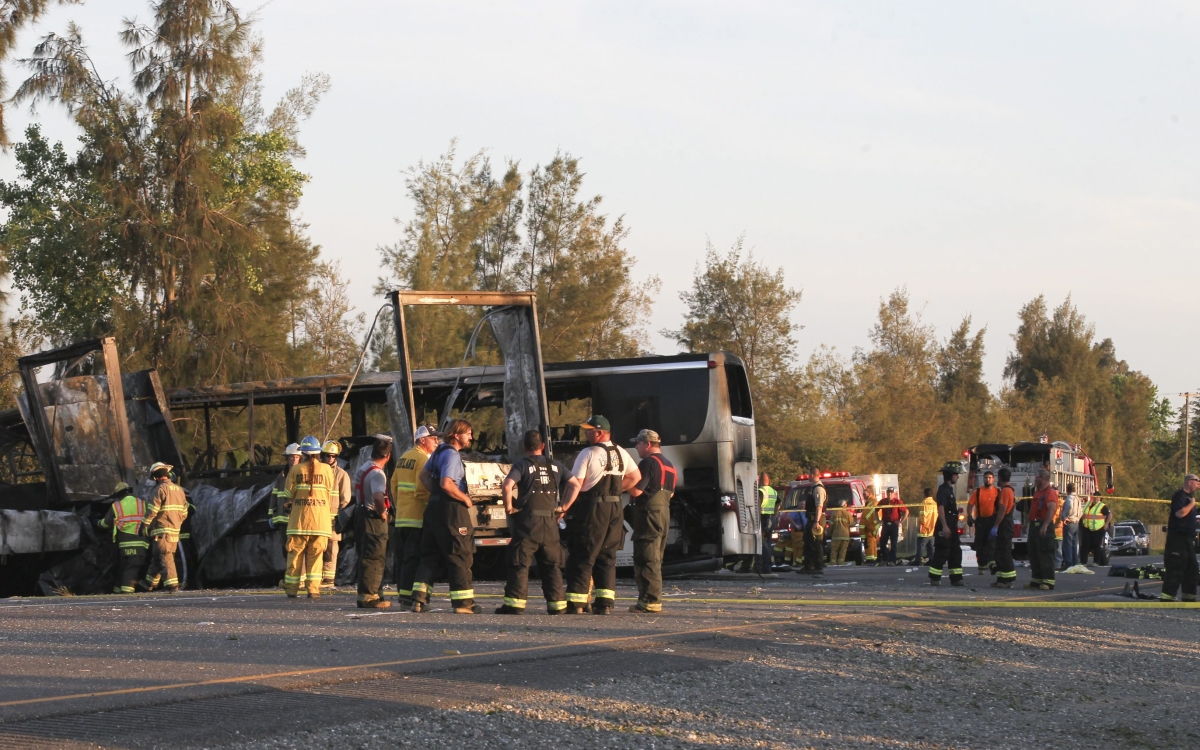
976	154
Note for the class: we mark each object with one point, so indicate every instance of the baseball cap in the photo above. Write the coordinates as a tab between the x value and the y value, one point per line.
597	422
425	431
647	436
1191	478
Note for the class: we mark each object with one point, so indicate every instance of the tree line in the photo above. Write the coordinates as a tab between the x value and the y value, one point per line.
172	226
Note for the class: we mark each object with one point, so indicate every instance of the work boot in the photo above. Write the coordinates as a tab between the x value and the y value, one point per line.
1002	584
507	610
419	606
311	595
328	585
601	609
375	604
171	590
292	596
404	602
1033	585
575	609
956	583
143	587
468	609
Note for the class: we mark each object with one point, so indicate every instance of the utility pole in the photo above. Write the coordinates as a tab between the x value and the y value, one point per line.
1187	431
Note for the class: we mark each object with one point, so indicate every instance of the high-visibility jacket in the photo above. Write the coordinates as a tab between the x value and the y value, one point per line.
409	495
1094	515
123	517
166	510
839	521
769	497
984	500
869	520
308	486
281	502
339	496
928	519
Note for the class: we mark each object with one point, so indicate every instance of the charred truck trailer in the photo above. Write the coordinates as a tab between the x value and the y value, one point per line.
227	442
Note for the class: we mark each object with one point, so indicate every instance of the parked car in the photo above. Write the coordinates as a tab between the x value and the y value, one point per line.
1129	538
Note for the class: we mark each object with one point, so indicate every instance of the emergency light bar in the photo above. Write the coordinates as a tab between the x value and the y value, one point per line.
824	475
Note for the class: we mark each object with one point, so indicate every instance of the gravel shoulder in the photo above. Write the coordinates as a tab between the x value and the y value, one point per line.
915	679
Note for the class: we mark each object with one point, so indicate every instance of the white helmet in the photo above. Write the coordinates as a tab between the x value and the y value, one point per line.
293	449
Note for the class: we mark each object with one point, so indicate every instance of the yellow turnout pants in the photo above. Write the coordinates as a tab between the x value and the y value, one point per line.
304	563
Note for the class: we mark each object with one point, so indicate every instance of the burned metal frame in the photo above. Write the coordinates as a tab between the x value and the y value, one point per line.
525	300
41	432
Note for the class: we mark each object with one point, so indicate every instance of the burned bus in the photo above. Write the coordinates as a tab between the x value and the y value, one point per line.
698	403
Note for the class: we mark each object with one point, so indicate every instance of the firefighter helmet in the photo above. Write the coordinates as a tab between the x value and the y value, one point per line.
310	446
293	449
952	467
159	465
331	447
121	487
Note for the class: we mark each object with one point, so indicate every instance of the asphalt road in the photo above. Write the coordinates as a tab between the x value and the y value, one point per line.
201	669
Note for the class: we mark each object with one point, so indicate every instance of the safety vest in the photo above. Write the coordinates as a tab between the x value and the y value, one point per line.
769	498
1093	515
128	512
408	493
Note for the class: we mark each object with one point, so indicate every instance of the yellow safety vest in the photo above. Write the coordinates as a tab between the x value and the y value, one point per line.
1093	515
769	498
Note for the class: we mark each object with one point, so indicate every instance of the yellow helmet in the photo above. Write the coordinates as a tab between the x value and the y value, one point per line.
121	487
332	447
159	465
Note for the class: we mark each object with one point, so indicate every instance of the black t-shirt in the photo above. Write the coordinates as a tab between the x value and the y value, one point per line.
652	475
528	478
1187	524
947	507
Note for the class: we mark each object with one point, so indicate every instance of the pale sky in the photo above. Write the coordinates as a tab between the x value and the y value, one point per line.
979	154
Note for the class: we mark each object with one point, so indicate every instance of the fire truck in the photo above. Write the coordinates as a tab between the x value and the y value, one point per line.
1066	462
842	489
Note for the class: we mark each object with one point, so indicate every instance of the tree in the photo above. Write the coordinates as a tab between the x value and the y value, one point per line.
1066	383
179	205
14	15
473	230
738	304
330	330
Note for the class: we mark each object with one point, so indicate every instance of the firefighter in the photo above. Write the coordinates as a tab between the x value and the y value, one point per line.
1093	532
839	521
869	529
981	509
1041	532
768	498
165	513
893	511
308	486
1180	557
650	511
448	529
373	509
947	548
602	472
339	497
281	504
124	517
926	526
410	497
539	481
1001	532
814	531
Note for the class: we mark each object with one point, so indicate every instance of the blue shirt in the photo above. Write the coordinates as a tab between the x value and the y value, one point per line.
448	463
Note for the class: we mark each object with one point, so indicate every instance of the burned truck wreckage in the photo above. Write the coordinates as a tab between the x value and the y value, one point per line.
75	436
